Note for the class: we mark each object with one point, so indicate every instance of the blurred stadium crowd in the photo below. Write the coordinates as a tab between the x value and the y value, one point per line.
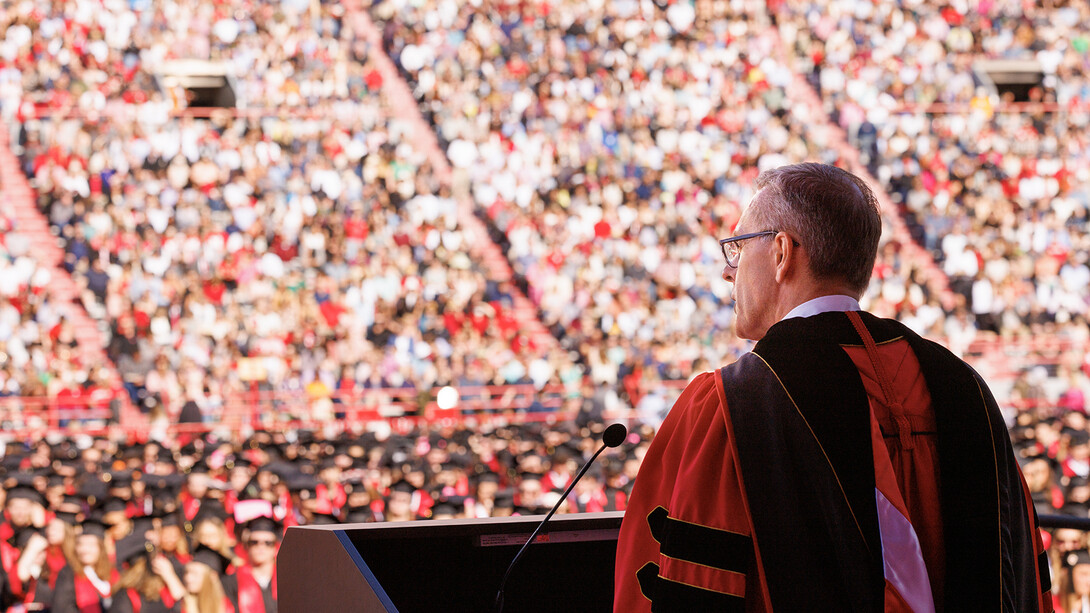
310	244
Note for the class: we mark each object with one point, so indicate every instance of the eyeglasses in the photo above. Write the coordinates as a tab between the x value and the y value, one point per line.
263	543
732	247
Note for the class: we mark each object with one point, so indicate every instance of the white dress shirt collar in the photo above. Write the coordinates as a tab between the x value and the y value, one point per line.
824	304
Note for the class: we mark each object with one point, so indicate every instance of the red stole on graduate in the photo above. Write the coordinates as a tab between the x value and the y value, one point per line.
88	598
55	560
9	557
164	596
190	505
251	599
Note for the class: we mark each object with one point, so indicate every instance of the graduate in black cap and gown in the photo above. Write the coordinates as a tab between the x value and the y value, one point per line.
32	576
252	589
60	533
358	503
1074	592
85	585
148	582
203	583
172	540
24	508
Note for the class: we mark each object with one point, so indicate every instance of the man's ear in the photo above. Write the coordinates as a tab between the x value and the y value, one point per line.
786	257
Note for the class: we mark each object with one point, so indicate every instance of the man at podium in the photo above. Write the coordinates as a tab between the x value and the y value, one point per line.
845	463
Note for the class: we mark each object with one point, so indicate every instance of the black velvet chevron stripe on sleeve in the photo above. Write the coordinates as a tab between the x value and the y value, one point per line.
701	544
672	597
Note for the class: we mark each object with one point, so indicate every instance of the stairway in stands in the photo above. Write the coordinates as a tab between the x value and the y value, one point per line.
423	139
17	201
806	101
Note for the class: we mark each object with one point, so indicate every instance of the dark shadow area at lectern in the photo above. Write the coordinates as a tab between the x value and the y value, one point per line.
435	567
457	565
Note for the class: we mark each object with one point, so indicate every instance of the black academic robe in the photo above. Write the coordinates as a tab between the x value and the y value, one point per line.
983	519
249	603
130	601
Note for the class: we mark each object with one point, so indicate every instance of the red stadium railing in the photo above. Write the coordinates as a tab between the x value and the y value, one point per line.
28	414
403	409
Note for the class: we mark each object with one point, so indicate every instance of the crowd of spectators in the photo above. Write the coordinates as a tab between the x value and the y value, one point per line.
611	144
994	183
312	244
39	352
26	317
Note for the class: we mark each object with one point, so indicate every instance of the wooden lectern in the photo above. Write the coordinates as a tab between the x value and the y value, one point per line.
449	565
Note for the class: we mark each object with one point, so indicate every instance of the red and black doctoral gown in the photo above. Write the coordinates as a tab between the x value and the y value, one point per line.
800	478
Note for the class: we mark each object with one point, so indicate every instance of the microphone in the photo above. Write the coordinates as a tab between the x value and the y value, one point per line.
612	437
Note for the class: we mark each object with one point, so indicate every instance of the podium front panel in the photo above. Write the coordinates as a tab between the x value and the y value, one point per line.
451	565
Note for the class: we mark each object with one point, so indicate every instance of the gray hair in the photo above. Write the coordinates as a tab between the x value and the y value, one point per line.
831	212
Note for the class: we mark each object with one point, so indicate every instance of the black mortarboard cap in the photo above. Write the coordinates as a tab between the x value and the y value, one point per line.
11	461
305	485
444	508
210	507
279	468
170	483
264	524
132	547
324	519
22	536
70	504
211	558
451	466
403	486
23	478
67	517
27	493
114	505
172	519
358	515
199	467
94	491
354	484
93	527
505	499
118	478
141	525
164	500
488	477
1074	558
